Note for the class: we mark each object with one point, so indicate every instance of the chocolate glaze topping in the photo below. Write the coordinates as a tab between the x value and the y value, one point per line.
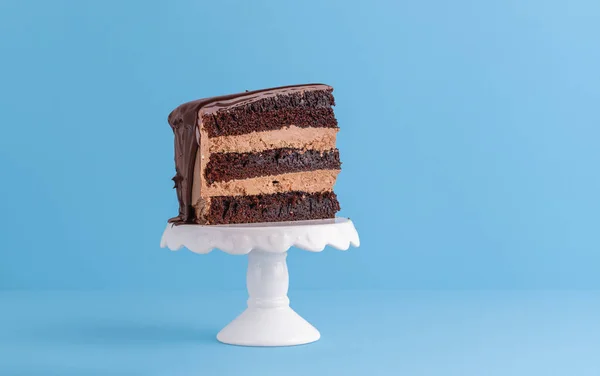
184	122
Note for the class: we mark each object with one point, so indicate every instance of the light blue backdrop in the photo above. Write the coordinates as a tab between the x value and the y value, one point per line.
469	137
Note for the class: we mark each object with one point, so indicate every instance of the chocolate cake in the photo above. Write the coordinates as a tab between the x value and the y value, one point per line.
259	156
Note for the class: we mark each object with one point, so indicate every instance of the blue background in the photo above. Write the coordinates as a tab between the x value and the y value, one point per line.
476	122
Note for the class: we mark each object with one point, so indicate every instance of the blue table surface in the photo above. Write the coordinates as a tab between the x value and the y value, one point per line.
363	333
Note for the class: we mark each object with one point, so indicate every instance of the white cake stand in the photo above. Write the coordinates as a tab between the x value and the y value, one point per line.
268	320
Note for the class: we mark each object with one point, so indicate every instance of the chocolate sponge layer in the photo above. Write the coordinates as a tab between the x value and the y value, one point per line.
289	206
302	109
230	166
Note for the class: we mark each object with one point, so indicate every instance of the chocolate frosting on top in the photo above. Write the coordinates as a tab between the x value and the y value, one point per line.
184	121
188	112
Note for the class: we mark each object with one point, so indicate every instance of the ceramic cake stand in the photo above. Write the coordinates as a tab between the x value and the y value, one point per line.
268	320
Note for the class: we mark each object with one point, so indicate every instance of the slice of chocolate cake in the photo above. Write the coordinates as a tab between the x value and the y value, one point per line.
260	156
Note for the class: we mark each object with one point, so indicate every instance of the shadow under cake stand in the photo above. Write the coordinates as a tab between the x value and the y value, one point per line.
268	320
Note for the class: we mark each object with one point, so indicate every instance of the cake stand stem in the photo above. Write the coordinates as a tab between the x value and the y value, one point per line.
268	320
267	280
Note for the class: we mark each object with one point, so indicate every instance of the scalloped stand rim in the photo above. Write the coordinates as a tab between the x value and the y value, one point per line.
269	320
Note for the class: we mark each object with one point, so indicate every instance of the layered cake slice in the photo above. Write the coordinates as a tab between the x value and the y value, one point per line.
260	156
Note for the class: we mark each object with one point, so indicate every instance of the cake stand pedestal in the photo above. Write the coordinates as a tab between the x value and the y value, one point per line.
269	320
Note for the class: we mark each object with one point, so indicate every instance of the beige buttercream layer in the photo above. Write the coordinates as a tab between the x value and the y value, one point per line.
308	181
289	137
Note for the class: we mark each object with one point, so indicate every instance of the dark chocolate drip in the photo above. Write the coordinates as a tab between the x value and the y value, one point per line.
184	122
186	148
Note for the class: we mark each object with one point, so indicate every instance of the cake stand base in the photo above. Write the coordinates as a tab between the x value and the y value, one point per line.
269	327
268	320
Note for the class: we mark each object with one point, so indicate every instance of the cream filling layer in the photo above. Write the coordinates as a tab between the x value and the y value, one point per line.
308	181
289	137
